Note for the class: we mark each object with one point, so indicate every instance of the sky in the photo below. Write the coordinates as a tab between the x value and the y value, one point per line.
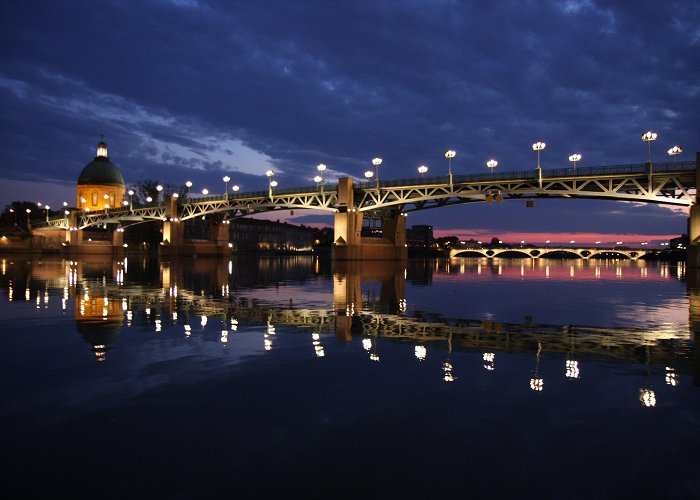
198	89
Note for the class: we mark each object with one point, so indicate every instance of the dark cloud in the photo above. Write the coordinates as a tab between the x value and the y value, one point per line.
191	89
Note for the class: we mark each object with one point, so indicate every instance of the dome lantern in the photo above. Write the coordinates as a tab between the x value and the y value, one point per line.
101	148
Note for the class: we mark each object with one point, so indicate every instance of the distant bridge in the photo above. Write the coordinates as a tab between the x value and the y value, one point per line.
584	253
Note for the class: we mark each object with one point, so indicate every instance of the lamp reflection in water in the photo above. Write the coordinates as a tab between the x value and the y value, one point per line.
371	348
647	396
536	383
316	342
489	361
268	334
671	377
572	368
448	376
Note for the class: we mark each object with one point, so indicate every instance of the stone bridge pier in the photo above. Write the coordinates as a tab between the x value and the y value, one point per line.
694	224
175	245
348	242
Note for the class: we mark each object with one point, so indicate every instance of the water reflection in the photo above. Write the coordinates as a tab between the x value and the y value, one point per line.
220	362
375	301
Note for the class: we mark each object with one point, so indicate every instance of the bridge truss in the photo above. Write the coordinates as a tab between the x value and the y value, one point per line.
671	183
667	183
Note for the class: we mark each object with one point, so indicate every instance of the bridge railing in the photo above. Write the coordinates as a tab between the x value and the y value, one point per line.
531	174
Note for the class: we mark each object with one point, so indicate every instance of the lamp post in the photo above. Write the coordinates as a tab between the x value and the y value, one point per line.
492	164
131	200
270	174
368	175
422	170
376	162
235	188
319	181
449	155
159	188
188	185
574	158
205	191
675	150
226	179
29	210
47	212
539	146
148	199
321	168
648	137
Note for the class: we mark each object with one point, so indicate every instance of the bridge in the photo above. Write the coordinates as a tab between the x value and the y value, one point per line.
584	253
672	183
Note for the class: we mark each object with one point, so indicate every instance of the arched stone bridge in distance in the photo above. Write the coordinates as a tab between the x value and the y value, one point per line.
537	252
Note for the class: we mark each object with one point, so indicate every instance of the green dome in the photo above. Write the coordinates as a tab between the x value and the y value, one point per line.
101	171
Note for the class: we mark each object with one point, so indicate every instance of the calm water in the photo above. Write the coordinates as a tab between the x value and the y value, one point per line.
289	377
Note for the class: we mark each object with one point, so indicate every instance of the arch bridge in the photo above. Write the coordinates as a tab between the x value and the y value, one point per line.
584	253
672	183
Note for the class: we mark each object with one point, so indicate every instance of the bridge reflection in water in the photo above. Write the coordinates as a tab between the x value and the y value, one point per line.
368	301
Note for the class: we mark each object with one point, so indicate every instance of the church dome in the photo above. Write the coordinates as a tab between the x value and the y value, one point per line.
101	171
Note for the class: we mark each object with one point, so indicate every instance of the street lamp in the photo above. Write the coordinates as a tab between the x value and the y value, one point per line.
205	191
675	150
539	146
159	188
235	188
574	158
319	180
321	168
188	184
449	155
492	164
649	137
369	174
149	199
376	162
270	174
226	179
131	199
422	170
47	212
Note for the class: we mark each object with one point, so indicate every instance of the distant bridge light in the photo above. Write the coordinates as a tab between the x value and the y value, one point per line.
235	188
675	150
422	170
205	191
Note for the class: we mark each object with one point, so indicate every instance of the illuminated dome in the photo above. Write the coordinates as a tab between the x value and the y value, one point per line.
101	171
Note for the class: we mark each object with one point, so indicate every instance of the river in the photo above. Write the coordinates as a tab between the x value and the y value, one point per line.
298	377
